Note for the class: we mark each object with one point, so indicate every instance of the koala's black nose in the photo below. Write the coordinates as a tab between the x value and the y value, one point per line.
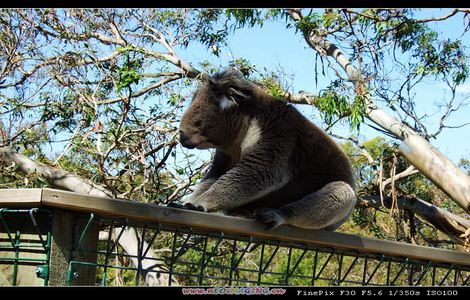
185	140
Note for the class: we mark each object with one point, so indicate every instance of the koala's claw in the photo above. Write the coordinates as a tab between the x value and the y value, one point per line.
270	218
191	206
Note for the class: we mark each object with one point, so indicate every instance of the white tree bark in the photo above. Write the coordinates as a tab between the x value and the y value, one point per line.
55	177
72	182
129	241
427	159
452	225
419	152
438	168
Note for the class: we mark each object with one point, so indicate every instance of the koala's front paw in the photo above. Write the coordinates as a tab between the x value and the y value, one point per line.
206	202
191	206
186	205
271	217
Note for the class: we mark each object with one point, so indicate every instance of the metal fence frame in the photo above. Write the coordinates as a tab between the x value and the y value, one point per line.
67	236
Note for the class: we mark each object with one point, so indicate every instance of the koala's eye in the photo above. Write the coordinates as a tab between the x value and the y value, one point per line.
197	123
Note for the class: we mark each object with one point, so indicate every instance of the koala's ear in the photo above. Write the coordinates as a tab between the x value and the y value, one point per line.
236	95
210	81
233	97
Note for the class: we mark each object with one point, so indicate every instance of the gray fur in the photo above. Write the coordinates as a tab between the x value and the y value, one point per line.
270	162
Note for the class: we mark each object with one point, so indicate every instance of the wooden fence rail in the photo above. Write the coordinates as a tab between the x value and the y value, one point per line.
65	204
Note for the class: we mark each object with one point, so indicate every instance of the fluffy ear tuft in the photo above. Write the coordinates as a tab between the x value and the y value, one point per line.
230	87
227	103
236	94
233	97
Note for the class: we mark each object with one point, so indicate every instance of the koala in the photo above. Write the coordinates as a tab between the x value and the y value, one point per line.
270	163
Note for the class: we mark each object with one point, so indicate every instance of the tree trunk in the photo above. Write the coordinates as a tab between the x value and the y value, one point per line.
440	170
75	183
452	225
427	159
129	240
419	152
55	177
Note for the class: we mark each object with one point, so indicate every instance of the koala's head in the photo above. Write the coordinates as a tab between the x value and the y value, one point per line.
215	115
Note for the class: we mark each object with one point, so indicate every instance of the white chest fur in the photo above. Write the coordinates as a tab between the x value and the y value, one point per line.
252	135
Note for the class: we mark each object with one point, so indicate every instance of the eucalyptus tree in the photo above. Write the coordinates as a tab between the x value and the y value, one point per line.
90	98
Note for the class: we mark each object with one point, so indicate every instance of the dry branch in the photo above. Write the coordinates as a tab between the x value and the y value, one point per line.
72	182
452	225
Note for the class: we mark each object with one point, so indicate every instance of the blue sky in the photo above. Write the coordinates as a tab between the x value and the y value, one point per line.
274	46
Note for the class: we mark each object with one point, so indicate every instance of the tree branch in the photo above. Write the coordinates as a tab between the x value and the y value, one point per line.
55	177
144	90
433	164
452	225
72	182
408	172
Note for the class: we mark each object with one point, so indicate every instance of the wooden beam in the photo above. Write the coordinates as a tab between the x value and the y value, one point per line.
217	222
20	198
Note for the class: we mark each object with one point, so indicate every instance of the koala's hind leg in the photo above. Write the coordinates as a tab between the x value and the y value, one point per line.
326	208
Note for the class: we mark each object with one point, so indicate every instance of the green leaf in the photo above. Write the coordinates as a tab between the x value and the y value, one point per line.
125	48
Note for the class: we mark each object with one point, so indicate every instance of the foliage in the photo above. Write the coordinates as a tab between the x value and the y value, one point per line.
334	107
99	92
377	222
465	164
84	101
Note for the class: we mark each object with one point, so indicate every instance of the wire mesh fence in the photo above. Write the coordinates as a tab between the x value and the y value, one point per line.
179	254
25	242
188	256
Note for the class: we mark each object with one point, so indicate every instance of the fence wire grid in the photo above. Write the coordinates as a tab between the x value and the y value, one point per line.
25	243
174	255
